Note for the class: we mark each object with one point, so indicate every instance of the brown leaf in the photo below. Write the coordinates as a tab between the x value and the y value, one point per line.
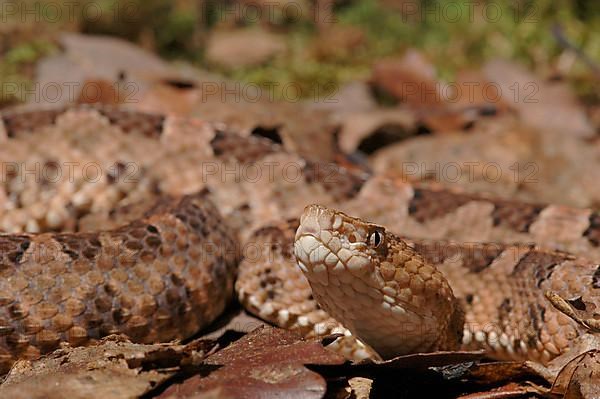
123	70
243	47
268	362
235	319
448	119
542	105
370	130
474	90
352	97
168	99
465	101
338	42
411	79
99	92
499	372
511	390
580	377
114	368
441	106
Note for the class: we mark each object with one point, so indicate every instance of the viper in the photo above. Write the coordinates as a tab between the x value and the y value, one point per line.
119	221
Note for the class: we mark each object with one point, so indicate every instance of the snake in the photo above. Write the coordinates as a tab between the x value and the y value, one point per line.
120	221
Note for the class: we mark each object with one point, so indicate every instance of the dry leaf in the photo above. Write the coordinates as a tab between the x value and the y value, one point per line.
541	105
243	47
115	368
411	79
268	362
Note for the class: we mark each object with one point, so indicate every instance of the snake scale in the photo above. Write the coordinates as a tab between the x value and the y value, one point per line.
109	226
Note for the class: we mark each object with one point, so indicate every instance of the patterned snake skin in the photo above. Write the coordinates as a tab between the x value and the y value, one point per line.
161	277
81	258
389	293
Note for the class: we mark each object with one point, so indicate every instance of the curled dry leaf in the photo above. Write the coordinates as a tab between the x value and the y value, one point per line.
501	372
268	362
115	368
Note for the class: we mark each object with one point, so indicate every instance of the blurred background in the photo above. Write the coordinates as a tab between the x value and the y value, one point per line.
318	43
498	96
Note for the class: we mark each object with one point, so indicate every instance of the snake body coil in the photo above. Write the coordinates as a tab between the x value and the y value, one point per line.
159	278
72	269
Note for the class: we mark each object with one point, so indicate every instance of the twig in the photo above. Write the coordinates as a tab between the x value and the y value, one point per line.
564	41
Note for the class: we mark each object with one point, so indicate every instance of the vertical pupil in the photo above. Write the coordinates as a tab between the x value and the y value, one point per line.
377	239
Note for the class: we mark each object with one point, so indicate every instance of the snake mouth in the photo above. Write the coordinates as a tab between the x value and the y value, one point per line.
327	243
310	255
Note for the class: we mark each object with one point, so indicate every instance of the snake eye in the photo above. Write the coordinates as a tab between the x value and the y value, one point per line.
376	238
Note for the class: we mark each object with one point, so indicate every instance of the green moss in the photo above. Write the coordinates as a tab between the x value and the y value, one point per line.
175	38
27	52
451	33
16	68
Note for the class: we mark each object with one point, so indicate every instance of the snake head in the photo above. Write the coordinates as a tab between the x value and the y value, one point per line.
374	283
330	241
